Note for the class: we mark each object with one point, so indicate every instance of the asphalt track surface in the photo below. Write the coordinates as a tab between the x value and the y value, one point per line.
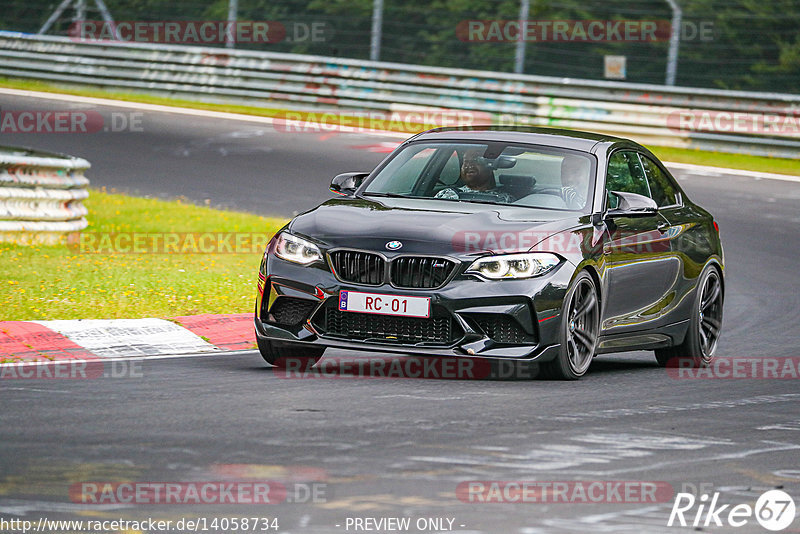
399	447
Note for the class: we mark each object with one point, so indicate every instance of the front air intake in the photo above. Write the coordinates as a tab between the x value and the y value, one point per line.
420	271
358	267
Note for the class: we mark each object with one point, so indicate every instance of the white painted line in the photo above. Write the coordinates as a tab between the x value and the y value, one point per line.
130	337
685	460
135	105
139	106
268	120
714	171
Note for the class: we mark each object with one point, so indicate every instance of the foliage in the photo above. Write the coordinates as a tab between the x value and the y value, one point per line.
753	45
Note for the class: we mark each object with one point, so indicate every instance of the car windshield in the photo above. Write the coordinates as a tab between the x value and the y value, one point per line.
497	173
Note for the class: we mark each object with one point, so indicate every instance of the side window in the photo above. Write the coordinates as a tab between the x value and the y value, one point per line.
451	172
407	175
625	174
662	188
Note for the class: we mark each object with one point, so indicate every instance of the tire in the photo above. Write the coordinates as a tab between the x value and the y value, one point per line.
580	327
705	326
289	355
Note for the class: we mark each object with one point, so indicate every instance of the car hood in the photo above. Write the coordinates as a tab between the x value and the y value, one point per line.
428	226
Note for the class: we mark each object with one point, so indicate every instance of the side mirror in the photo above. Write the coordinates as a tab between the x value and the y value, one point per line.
345	184
632	204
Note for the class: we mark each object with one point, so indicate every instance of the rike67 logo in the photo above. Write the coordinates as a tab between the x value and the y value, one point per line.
774	510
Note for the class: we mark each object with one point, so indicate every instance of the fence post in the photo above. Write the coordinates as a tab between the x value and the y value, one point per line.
674	42
230	39
519	55
377	30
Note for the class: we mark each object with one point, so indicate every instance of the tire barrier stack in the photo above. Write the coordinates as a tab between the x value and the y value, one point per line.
41	195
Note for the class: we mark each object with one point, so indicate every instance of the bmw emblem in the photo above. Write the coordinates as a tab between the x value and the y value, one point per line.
394	245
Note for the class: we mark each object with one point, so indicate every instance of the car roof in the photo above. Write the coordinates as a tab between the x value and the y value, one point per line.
573	139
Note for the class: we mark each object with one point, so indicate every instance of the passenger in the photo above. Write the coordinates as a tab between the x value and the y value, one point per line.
574	181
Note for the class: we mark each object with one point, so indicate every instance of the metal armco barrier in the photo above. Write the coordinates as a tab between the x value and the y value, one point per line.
41	195
729	121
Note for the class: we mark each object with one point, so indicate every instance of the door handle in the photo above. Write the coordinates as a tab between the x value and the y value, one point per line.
663	227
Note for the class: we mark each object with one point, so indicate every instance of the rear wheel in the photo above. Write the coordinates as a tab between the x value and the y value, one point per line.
705	325
580	325
285	355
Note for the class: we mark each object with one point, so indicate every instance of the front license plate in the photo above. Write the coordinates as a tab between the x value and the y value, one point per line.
354	301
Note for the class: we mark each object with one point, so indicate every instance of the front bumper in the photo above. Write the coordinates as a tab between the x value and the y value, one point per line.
507	319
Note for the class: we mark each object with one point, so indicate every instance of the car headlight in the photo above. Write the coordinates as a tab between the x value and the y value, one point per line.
505	266
296	249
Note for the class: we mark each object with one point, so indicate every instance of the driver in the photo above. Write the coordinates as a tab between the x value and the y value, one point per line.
478	178
574	181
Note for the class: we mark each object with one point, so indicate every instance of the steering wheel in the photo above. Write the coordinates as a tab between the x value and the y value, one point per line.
453	185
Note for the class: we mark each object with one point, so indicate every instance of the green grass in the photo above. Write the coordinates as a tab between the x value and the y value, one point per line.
730	161
45	87
679	155
66	282
277	112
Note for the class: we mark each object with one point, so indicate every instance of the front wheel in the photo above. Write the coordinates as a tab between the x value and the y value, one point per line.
580	325
705	325
285	355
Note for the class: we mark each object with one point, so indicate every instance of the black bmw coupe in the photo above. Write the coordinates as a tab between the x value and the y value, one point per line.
533	244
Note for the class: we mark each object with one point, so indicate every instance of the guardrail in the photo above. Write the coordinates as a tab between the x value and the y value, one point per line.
730	121
41	195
